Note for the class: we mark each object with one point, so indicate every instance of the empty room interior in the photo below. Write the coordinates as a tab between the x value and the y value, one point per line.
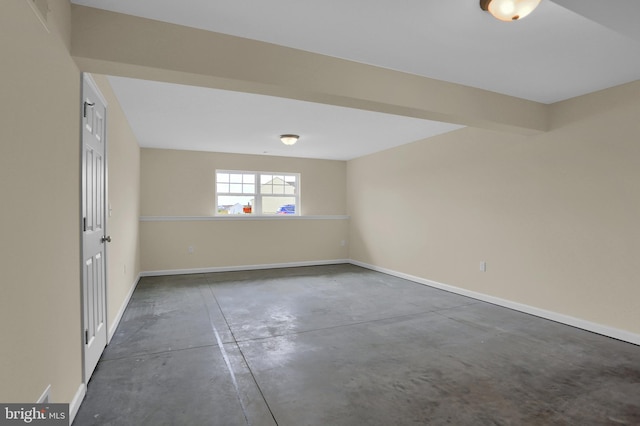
321	213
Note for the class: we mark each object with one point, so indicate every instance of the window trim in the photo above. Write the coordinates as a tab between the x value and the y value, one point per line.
257	207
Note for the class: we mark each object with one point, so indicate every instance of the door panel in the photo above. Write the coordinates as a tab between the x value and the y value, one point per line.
93	232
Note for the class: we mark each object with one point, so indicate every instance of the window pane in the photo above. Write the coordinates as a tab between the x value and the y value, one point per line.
289	189
277	192
235	205
278	189
279	205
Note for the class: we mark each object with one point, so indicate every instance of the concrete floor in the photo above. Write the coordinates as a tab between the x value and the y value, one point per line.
341	345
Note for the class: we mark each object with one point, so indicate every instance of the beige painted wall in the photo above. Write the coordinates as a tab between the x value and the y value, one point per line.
181	183
123	256
231	243
555	216
40	311
40	328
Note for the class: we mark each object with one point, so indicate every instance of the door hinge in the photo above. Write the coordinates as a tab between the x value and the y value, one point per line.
86	337
84	224
84	111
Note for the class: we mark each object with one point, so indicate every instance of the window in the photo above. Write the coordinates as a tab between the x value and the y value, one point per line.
257	193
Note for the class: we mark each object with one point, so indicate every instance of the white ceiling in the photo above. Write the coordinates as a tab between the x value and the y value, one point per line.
554	54
174	116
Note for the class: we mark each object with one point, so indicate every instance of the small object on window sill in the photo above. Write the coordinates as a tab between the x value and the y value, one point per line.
247	209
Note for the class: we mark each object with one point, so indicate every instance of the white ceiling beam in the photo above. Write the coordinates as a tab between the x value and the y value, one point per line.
618	15
123	45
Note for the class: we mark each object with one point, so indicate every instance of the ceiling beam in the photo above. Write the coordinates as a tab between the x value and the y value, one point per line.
620	16
116	44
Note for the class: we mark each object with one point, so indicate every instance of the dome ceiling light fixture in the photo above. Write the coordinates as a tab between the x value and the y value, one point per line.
289	139
509	10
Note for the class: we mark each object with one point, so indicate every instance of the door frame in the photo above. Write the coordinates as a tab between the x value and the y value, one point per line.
86	77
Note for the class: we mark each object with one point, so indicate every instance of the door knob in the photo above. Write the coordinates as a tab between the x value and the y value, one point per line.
106	238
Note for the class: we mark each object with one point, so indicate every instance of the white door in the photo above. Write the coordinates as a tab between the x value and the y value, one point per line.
94	236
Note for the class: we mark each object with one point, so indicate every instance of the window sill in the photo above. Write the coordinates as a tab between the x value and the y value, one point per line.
237	217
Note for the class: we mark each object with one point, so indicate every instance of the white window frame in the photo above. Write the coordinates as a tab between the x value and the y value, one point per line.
257	194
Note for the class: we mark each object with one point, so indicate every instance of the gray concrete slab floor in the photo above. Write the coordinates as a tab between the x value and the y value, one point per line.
342	345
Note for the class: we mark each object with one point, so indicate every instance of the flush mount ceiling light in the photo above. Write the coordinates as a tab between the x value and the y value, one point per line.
509	10
289	139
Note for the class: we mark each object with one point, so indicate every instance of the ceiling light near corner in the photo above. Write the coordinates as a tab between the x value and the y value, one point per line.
509	10
289	139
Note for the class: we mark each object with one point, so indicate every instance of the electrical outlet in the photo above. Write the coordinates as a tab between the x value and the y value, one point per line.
190	250
343	243
483	266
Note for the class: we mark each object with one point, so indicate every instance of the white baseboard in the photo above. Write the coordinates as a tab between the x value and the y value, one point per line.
44	398
242	268
116	322
74	405
532	310
553	316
